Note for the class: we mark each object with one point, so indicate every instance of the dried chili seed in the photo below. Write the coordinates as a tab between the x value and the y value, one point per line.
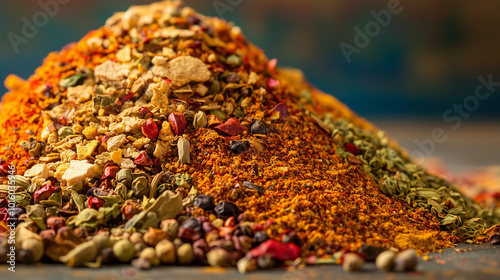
239	146
259	127
205	202
232	127
150	129
177	122
225	209
253	187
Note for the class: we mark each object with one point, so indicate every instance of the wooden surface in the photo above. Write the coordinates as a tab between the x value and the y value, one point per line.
472	146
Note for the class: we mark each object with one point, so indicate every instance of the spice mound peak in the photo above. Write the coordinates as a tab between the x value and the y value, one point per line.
165	136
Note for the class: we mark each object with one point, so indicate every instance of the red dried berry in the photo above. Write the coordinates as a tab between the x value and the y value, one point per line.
150	129
177	122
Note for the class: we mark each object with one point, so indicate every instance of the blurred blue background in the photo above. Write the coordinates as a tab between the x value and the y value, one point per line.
426	59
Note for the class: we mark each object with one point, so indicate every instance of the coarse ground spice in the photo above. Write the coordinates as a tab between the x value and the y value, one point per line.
171	127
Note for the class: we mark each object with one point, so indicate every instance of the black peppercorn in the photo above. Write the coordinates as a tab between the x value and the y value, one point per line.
239	147
259	127
226	209
205	202
260	237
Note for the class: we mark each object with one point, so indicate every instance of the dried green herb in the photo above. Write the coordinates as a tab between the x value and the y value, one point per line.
72	80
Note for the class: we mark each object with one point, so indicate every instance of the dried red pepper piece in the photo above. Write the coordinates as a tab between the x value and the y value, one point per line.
110	171
350	148
177	122
282	109
143	110
231	127
143	159
44	192
150	129
126	97
94	202
4	215
272	83
278	250
55	222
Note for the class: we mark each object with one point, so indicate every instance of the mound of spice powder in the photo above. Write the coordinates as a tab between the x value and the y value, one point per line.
166	137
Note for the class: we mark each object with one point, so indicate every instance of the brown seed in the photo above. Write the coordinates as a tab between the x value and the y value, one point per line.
352	262
150	254
185	253
165	250
406	260
246	265
153	236
385	260
220	258
171	227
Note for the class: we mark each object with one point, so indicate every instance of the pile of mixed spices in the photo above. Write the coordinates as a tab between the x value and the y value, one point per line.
166	137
